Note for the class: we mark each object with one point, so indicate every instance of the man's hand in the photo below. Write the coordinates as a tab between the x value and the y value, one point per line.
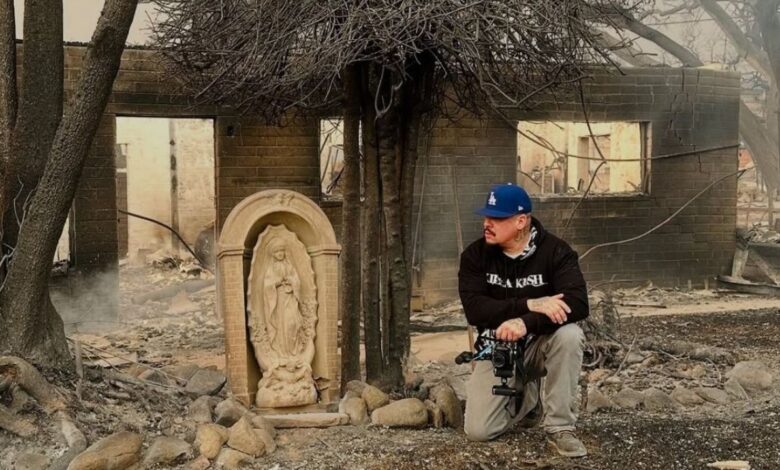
511	330
554	307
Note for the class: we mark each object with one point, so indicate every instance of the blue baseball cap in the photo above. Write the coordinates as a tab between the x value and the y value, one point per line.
506	200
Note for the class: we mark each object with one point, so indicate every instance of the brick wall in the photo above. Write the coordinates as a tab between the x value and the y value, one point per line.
466	156
252	157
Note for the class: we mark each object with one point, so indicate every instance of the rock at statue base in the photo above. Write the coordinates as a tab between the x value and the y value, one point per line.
409	412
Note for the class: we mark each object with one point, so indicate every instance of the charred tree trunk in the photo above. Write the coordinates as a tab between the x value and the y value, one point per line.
40	108
24	302
8	102
371	223
390	155
350	235
390	150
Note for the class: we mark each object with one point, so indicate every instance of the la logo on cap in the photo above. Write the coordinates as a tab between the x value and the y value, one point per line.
492	199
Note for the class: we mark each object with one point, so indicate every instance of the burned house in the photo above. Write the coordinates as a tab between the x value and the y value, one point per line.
666	134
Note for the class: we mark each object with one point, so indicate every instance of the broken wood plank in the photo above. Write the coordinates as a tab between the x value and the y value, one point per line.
747	287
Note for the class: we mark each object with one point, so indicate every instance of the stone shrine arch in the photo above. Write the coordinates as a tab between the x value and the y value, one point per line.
305	231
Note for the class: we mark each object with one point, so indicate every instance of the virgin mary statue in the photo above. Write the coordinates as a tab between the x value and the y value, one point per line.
281	295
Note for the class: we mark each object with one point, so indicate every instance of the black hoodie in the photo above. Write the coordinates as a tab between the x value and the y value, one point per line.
494	287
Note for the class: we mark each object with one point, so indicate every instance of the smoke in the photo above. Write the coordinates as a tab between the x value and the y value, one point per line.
87	302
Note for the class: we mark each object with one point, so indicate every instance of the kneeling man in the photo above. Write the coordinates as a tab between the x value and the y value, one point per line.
526	284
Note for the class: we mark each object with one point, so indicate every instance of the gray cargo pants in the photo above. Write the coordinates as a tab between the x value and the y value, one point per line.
557	357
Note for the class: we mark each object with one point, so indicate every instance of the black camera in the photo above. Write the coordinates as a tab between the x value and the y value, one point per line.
503	359
506	358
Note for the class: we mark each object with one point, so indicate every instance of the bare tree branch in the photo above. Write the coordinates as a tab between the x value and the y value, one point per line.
754	56
761	143
626	20
251	56
625	49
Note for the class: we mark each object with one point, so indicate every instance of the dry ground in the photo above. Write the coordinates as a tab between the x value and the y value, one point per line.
156	336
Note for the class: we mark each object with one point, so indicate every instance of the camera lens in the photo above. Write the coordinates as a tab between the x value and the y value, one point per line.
499	359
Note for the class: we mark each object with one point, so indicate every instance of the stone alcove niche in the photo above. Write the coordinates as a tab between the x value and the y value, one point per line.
306	246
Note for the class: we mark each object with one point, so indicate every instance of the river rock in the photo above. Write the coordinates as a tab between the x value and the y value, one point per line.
634	358
374	397
262	423
154	376
356	409
201	463
356	387
435	414
210	438
444	396
628	398
713	395
230	459
598	401
167	450
229	411
409	412
268	440
244	439
200	410
598	374
182	372
115	452
307	420
754	376
205	382
686	397
733	388
657	400
350	394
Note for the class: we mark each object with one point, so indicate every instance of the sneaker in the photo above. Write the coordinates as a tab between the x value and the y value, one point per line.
567	444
